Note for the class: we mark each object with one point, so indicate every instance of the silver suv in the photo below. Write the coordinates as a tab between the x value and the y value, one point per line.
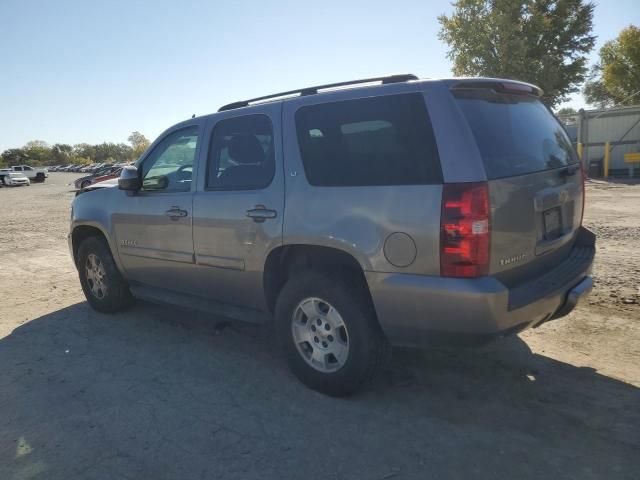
355	216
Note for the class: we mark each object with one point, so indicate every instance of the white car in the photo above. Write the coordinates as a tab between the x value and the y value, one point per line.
15	179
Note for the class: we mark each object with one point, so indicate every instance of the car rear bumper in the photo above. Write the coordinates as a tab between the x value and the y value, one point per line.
417	310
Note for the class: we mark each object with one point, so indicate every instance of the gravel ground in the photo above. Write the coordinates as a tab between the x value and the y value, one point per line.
159	393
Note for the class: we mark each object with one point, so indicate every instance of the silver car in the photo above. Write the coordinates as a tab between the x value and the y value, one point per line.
355	216
14	179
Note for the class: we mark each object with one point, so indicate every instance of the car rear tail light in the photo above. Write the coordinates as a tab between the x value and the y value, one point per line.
464	230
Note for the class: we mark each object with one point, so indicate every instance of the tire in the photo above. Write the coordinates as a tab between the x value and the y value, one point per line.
368	349
85	184
39	178
103	286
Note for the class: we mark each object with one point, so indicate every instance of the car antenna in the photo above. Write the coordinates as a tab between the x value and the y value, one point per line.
193	116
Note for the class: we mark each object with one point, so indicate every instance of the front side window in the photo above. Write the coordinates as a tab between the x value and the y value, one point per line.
169	167
241	154
385	140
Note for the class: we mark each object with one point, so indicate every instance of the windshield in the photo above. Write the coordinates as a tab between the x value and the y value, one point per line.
515	134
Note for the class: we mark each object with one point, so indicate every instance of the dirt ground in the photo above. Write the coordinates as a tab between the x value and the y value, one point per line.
159	393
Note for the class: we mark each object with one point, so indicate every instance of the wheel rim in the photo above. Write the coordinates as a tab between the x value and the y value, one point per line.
320	335
96	276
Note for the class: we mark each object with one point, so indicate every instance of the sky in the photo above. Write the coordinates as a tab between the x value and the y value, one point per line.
76	71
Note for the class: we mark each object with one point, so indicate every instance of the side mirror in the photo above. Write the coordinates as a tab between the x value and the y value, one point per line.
129	179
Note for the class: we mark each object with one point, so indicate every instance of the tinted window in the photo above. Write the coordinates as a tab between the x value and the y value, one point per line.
169	166
385	140
241	155
516	135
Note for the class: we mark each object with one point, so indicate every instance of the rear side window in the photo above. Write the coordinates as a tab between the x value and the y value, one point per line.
241	155
516	135
385	140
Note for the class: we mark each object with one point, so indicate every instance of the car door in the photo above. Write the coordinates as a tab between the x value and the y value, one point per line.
238	207
153	226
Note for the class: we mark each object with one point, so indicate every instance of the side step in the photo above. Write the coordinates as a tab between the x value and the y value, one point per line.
192	302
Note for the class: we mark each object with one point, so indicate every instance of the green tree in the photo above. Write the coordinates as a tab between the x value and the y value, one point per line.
84	150
61	153
37	152
139	143
544	42
14	156
567	111
615	79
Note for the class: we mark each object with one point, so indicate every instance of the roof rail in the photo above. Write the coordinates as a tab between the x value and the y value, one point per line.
398	78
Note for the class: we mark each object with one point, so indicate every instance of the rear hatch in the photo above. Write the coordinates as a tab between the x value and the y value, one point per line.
534	178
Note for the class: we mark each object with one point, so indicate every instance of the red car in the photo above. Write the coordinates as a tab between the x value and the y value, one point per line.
84	182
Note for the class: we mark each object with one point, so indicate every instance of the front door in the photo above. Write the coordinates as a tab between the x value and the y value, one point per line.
239	205
153	227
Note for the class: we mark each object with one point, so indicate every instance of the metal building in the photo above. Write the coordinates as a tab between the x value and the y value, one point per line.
616	128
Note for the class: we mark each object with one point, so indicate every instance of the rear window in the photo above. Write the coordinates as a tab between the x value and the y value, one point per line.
516	135
385	140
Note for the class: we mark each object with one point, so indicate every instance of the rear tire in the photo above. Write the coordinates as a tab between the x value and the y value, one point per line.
331	301
103	285
39	178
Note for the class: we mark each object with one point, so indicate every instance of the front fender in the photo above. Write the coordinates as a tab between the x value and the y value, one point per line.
93	209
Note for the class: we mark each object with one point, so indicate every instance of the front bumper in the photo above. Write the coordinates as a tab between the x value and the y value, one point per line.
418	310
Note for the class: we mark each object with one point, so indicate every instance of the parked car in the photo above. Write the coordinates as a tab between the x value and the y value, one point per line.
14	179
403	213
99	176
34	174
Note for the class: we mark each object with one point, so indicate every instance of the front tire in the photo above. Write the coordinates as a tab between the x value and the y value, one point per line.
103	285
327	328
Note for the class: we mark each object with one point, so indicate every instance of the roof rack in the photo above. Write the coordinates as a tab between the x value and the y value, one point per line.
398	78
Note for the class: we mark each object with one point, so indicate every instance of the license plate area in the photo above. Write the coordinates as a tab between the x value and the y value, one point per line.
552	223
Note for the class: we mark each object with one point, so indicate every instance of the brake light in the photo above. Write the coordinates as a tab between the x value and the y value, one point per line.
464	230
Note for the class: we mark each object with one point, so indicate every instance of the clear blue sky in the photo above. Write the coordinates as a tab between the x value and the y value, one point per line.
86	71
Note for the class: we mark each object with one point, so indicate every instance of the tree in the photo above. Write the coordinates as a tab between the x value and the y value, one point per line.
61	153
14	156
84	150
566	111
139	143
544	42
37	152
615	80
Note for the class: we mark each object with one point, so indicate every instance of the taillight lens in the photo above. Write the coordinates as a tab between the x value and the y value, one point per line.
464	230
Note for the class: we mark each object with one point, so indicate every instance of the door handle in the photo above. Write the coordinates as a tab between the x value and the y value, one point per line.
174	213
260	213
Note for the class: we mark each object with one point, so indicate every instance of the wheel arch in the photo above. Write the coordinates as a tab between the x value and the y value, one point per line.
81	233
285	260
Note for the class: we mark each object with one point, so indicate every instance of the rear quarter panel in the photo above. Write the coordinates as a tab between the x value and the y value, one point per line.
359	220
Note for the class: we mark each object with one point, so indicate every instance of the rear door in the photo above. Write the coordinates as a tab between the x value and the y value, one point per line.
535	181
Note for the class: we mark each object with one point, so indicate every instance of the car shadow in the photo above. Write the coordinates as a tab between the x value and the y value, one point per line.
159	393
